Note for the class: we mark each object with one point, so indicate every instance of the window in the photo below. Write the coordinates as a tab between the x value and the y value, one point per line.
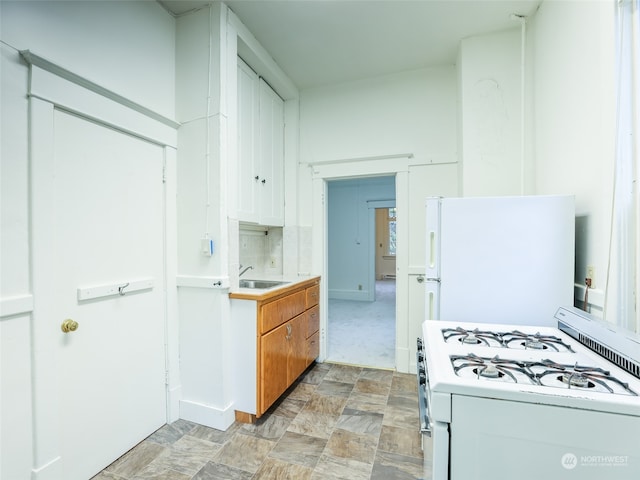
391	231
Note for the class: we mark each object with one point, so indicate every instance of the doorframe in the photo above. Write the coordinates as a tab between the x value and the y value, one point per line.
321	174
52	88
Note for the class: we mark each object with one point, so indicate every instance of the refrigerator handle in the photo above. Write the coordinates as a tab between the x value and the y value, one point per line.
432	300
432	249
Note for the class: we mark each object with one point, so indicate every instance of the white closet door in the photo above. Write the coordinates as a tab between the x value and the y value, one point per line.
108	229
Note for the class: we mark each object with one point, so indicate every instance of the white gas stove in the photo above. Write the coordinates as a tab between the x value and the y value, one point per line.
527	402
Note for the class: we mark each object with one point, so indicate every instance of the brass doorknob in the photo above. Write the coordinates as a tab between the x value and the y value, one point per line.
69	325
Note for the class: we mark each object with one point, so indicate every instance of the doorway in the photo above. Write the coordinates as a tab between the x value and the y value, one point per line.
360	296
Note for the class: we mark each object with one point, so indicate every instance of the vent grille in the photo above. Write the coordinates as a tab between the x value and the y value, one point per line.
623	362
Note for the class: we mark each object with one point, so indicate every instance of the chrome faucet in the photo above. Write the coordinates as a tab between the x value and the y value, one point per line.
243	271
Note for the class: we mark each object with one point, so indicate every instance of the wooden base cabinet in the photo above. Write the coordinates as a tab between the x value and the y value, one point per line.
285	338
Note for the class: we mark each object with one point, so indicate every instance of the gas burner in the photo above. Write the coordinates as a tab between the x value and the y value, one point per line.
491	368
490	371
528	341
575	380
553	374
472	337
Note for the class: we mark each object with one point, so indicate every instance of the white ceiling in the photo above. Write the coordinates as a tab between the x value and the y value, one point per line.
320	42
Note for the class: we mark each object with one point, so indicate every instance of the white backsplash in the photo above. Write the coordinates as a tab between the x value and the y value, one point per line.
262	250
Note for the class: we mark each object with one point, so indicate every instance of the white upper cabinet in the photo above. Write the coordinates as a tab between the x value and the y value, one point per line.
260	150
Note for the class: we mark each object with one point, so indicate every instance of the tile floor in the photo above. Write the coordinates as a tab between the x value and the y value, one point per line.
336	422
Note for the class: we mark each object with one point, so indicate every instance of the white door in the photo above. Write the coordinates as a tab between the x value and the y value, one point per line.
108	209
271	183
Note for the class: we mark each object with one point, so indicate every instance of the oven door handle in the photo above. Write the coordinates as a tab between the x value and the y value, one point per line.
423	404
425	422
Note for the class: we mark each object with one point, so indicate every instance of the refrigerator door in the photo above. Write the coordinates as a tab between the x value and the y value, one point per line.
506	259
432	259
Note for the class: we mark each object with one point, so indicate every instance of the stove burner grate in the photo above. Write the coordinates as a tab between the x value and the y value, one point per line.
472	337
545	373
534	341
492	368
580	376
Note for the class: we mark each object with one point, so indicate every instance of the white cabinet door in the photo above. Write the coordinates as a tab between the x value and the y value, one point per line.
248	167
271	156
260	150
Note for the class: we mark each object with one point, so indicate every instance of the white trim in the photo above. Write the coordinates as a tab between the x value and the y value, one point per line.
361	159
254	55
121	288
52	470
75	99
210	416
172	326
323	173
46	426
215	283
41	62
17	305
371	168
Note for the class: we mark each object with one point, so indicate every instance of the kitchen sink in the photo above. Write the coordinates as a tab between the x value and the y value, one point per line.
260	283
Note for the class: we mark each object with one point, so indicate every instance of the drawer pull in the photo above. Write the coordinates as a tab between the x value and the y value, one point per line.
288	337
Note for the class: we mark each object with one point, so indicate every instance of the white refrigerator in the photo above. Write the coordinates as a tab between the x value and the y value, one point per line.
499	259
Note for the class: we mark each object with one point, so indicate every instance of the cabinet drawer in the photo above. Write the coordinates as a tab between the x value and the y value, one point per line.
313	347
313	295
313	320
279	311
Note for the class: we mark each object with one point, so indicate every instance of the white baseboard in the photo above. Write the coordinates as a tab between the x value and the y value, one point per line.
173	406
206	415
52	470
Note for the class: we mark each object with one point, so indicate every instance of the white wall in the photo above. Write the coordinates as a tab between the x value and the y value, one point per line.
364	128
410	112
574	124
490	117
102	42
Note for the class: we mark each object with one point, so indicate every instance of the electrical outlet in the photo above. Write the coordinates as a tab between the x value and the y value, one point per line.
591	275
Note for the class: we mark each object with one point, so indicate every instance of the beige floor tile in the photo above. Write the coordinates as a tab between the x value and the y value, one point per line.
299	449
136	459
402	441
345	444
389	466
330	468
360	422
313	423
343	373
329	404
336	422
244	452
273	469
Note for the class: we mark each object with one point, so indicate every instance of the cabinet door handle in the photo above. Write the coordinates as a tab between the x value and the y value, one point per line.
264	180
288	332
257	177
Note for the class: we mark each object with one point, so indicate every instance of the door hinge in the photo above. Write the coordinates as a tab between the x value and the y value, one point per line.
166	377
164	174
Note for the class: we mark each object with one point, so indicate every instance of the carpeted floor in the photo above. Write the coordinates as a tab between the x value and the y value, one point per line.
364	333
